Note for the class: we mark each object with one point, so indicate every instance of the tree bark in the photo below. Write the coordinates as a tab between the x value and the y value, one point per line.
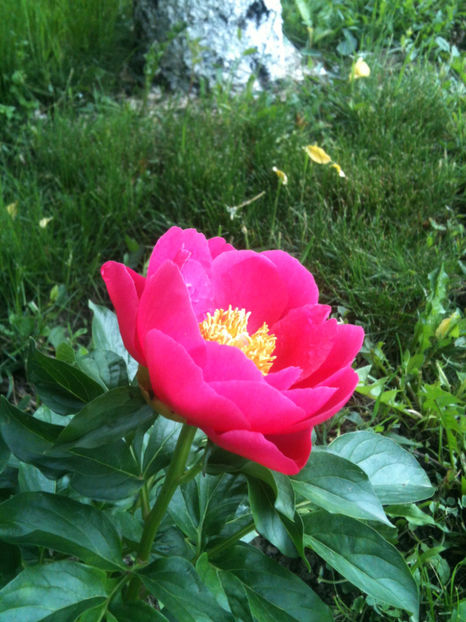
218	40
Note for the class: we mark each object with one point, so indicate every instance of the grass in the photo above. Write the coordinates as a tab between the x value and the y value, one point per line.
426	28
113	176
52	50
107	169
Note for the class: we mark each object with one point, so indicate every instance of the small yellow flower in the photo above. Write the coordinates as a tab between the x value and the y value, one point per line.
282	177
317	154
360	69
12	210
338	168
43	222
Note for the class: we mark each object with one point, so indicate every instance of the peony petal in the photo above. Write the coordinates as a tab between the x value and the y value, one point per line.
165	305
177	382
345	381
284	453
125	287
199	288
304	339
284	378
180	245
266	418
218	245
297	445
346	344
313	402
247	280
301	286
221	362
268	411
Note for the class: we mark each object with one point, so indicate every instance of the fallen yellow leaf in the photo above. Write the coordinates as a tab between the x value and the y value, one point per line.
317	154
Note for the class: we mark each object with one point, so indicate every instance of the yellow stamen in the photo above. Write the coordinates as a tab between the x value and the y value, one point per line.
230	328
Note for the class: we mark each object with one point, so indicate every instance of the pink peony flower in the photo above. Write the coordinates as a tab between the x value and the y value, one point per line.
236	343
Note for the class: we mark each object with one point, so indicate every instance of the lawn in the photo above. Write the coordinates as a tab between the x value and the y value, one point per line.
95	165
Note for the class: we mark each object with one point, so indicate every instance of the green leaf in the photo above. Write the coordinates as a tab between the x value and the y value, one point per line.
362	556
27	438
338	486
395	475
218	499
106	336
157	445
137	612
281	532
414	515
237	599
63	388
30	479
44	413
4	454
177	585
279	483
201	507
62	524
258	588
171	541
222	461
107	418
459	614
210	576
128	525
55	592
8	481
94	614
64	352
105	367
107	473
10	562
305	12
348	45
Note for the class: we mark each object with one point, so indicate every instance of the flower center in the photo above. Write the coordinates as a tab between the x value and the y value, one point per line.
230	328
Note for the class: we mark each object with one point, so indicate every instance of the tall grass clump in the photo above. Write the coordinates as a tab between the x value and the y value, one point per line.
51	47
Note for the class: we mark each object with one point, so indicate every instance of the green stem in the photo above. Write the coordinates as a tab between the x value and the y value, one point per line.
192	472
174	473
145	507
303	182
155	516
111	596
232	539
274	210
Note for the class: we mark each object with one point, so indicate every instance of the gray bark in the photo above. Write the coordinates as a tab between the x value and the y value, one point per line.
231	40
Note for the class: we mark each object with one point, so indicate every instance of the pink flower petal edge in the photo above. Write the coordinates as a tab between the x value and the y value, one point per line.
265	417
125	288
285	453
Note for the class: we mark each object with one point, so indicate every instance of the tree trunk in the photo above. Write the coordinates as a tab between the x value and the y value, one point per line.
227	40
